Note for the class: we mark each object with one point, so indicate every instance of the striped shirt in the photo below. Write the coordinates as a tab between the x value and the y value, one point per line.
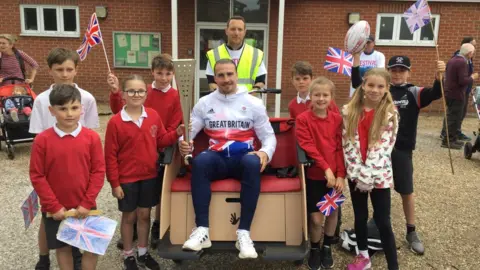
11	67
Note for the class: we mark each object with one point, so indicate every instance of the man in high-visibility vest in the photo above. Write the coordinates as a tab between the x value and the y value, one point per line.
249	60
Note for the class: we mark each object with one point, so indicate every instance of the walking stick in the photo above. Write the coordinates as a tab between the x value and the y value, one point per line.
443	99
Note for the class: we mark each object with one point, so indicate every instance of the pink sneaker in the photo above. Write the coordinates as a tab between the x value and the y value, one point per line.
360	263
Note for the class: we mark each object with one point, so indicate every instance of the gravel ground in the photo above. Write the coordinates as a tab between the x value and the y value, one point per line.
447	221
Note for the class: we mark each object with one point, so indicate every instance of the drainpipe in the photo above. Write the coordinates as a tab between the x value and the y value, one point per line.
278	80
174	12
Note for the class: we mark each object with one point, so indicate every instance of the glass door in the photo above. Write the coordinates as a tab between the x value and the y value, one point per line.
209	36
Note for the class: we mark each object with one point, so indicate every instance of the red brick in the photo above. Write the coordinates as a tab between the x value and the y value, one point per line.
310	27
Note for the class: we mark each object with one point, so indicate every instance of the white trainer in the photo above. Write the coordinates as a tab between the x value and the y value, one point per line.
245	245
199	239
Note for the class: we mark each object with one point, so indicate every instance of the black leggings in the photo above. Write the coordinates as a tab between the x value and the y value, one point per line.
381	207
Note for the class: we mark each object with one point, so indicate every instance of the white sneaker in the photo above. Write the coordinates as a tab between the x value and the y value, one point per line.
199	239
245	245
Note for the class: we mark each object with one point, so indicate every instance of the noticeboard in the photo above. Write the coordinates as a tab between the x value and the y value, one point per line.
135	49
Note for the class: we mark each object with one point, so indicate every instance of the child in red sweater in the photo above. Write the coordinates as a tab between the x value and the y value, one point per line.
319	133
66	151
302	74
133	137
165	100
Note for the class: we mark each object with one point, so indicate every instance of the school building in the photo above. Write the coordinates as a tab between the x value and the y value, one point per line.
286	30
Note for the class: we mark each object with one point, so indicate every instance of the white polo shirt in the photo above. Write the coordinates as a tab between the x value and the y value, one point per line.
62	134
41	118
127	118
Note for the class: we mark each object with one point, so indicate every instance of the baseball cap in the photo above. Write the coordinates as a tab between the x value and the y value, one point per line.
399	61
371	38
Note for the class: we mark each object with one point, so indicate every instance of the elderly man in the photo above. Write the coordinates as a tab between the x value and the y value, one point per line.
231	118
460	135
249	60
456	82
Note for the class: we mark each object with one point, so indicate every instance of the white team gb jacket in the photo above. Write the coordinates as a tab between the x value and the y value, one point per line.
232	121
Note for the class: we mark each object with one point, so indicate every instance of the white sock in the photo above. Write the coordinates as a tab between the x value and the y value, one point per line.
243	231
142	251
364	253
127	253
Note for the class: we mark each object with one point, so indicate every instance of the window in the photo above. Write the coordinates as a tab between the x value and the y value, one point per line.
254	11
213	10
392	30
54	21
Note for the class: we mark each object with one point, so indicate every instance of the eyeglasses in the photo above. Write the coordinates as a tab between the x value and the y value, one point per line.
140	93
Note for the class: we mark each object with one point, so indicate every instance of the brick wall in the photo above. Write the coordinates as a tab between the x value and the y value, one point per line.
146	16
310	27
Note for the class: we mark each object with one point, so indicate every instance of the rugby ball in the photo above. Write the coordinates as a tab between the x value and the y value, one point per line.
357	36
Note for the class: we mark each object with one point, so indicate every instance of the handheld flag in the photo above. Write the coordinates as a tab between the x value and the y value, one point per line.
92	234
330	202
92	37
338	61
417	16
30	208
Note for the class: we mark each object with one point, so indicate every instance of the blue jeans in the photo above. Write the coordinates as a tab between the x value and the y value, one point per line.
209	166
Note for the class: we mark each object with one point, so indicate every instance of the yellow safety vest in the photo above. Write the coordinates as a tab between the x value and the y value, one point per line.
248	65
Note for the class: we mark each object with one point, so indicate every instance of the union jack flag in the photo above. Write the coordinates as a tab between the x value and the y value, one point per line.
330	202
338	61
417	15
92	234
92	37
30	208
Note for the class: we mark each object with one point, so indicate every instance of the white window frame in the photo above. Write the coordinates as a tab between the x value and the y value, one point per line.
40	22
416	42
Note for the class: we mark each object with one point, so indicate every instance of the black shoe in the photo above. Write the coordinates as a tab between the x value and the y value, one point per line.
463	137
43	264
155	235
314	259
135	237
147	262
77	258
327	259
453	145
130	263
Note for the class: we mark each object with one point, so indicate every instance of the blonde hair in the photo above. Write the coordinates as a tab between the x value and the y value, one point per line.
11	38
321	81
18	89
383	109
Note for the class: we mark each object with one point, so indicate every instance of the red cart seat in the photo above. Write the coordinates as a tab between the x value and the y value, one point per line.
285	156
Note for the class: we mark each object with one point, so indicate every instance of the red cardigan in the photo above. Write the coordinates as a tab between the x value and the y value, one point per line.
321	138
131	151
167	105
67	172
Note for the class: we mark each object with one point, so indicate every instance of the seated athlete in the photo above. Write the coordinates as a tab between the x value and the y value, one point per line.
231	118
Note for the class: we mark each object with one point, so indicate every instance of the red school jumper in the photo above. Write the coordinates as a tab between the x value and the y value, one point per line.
296	108
321	138
67	171
131	151
166	104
